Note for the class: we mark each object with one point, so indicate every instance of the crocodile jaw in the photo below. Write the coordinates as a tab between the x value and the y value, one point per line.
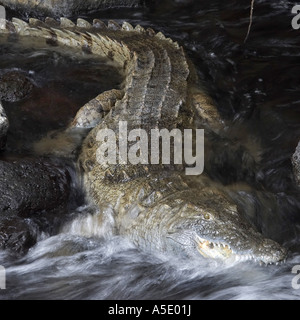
214	250
268	252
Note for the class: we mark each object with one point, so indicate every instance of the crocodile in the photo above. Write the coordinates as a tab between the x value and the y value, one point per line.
158	207
65	7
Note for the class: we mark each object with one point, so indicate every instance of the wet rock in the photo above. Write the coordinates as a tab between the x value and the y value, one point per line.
3	127
16	235
32	186
296	164
14	86
35	197
66	7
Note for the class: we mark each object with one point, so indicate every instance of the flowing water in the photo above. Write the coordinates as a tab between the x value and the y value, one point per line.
255	85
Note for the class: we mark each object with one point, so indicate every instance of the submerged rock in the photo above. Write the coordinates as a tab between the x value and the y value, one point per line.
16	234
14	86
296	164
66	7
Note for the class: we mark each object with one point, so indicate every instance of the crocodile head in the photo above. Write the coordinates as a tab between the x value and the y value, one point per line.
216	230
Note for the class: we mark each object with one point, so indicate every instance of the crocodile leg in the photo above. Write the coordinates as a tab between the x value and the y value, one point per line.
67	142
91	114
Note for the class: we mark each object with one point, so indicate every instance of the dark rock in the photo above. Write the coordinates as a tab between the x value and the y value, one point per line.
14	86
33	185
16	235
35	194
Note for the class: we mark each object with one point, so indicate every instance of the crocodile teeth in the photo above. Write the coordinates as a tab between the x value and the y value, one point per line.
211	249
214	250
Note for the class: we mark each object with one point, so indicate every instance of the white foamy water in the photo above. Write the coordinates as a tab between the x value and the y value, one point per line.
68	266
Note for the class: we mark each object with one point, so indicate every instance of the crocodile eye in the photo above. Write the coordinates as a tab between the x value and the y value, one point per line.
207	216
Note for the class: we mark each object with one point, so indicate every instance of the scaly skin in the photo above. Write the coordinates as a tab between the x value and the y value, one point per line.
158	207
